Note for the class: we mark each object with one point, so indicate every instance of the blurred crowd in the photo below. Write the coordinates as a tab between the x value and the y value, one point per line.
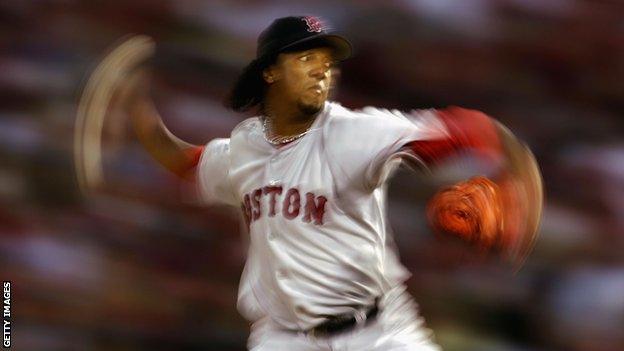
133	267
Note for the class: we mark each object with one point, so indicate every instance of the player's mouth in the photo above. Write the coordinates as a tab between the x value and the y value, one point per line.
317	88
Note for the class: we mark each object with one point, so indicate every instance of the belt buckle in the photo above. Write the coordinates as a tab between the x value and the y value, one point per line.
360	317
313	333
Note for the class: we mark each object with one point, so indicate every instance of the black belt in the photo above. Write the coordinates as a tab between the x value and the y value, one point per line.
338	324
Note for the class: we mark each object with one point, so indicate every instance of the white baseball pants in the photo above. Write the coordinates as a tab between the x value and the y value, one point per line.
396	328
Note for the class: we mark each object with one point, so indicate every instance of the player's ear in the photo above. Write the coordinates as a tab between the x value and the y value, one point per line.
273	72
269	74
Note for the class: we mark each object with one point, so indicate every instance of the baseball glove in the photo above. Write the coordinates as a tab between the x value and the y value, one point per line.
491	216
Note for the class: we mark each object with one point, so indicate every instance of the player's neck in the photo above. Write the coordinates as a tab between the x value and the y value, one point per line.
286	119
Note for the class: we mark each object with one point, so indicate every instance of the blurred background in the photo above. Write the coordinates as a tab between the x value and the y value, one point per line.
135	268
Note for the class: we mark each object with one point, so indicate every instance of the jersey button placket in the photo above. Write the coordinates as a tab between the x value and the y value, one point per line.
271	171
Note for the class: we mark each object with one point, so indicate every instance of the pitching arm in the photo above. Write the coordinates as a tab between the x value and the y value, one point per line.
176	155
170	151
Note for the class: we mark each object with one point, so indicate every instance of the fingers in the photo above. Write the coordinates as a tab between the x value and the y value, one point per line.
134	89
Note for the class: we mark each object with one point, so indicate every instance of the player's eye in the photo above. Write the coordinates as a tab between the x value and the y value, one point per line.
305	58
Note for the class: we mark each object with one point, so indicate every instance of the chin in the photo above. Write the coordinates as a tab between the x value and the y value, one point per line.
311	108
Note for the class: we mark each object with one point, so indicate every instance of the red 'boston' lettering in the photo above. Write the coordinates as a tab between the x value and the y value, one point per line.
272	191
256	203
293	199
314	208
252	204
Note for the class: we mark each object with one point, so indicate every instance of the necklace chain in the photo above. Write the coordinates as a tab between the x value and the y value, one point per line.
279	139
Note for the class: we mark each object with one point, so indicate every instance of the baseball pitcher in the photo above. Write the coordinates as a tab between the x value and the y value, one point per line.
309	177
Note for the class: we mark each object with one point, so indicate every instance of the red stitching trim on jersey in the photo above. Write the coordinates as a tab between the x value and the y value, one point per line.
194	154
191	159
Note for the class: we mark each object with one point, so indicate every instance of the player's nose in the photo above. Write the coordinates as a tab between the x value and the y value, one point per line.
322	71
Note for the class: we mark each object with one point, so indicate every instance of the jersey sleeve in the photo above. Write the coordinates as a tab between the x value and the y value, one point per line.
375	141
465	131
212	177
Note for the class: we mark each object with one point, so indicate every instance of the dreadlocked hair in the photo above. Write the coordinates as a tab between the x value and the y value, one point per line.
248	91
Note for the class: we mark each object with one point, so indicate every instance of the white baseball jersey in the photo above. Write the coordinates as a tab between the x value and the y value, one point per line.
315	210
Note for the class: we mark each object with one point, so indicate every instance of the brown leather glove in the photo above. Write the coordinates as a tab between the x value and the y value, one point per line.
491	216
470	210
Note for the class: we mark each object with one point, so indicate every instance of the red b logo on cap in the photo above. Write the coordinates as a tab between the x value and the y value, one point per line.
314	25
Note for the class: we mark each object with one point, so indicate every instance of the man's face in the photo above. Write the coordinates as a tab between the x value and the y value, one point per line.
303	77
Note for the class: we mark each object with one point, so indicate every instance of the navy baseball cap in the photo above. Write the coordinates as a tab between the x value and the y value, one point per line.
290	33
